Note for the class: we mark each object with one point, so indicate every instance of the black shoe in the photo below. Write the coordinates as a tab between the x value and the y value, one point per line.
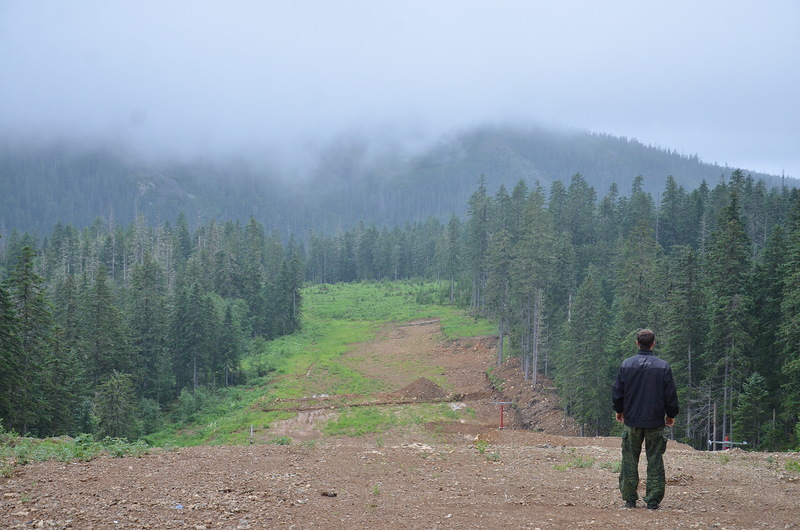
630	504
652	506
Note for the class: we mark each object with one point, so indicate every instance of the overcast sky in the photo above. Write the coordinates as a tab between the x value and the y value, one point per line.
713	78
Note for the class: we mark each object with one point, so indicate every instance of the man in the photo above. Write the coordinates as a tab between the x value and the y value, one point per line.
645	400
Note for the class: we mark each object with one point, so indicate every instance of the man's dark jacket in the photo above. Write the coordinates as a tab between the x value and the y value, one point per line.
645	391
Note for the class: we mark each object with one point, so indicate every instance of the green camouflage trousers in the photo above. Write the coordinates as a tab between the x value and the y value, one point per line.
655	445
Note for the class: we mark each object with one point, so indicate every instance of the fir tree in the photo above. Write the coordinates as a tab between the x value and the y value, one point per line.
585	372
106	336
34	319
729	339
11	355
789	328
148	320
115	407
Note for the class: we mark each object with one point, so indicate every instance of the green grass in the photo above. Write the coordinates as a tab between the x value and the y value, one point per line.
309	362
359	421
575	461
18	450
611	466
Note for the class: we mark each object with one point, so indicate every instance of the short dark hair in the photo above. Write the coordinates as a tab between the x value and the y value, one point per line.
645	338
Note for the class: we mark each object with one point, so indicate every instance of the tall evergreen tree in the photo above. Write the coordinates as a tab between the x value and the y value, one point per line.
65	388
789	328
230	348
148	319
532	272
106	336
11	355
682	336
585	371
35	323
640	208
192	336
477	243
451	255
498	284
729	338
639	288
750	412
766	289
115	407
671	216
253	276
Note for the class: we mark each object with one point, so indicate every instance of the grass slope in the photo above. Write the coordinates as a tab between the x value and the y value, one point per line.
335	317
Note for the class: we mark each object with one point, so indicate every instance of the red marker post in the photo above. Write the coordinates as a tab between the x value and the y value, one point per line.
502	410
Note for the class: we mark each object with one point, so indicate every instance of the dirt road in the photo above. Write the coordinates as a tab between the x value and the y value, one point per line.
456	475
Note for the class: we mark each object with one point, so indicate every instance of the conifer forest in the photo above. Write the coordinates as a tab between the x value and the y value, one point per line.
103	327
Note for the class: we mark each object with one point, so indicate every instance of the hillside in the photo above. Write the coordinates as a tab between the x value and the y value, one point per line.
462	473
349	181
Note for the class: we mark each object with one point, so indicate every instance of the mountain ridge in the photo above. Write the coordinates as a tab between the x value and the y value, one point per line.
348	181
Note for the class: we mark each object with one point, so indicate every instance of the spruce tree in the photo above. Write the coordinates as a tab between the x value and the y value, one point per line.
230	348
682	335
789	328
767	291
532	273
148	319
477	243
11	355
498	284
106	336
115	407
35	326
639	288
584	369
750	412
729	339
193	337
65	388
451	255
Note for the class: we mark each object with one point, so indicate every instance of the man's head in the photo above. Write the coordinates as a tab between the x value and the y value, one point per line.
645	339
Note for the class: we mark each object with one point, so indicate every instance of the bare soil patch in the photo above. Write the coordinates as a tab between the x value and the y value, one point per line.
535	473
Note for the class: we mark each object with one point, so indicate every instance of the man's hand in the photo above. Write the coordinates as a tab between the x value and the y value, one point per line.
669	422
621	417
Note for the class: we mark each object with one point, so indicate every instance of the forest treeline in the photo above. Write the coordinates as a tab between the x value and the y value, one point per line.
133	316
570	277
102	327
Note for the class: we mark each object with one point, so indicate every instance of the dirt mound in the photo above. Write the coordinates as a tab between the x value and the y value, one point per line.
423	389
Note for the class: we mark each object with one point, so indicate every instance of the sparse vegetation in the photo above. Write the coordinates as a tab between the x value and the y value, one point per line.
575	461
611	466
18	450
497	382
359	421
